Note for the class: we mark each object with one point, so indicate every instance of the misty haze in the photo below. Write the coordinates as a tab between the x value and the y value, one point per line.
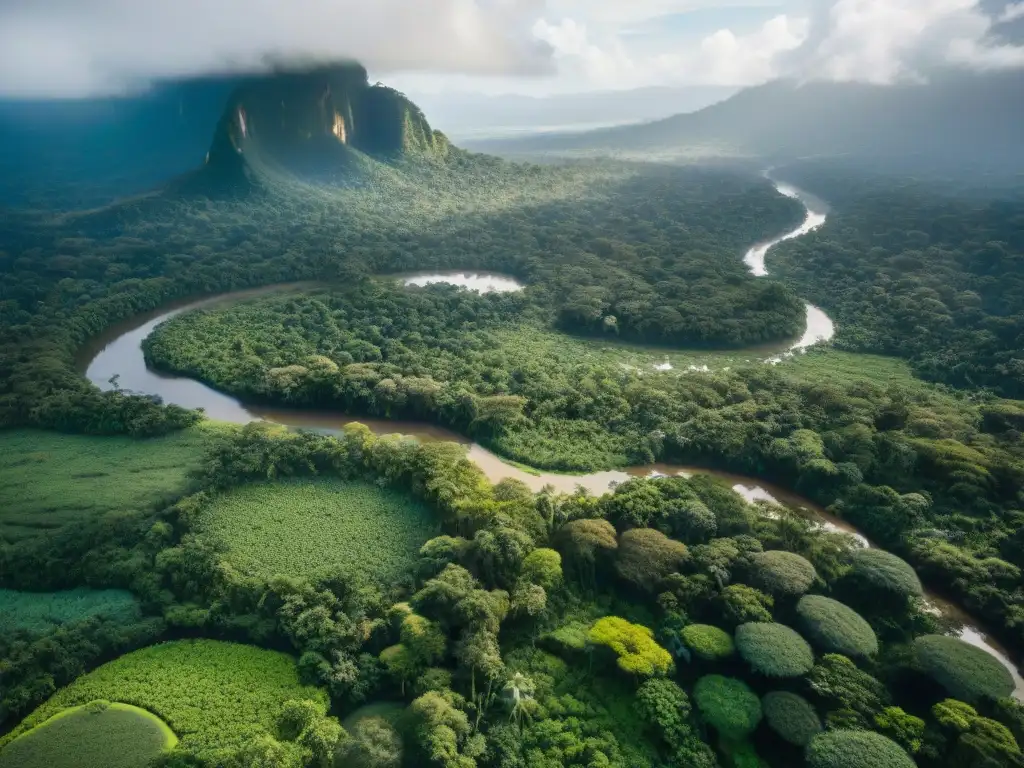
512	384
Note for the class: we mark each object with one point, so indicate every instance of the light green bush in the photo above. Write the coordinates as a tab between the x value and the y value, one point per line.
634	644
708	642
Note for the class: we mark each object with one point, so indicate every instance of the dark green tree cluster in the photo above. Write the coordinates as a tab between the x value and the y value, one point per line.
917	270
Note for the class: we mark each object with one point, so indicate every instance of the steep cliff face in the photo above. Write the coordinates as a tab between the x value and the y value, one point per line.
312	122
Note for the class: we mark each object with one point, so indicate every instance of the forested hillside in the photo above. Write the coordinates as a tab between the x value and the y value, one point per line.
184	593
917	271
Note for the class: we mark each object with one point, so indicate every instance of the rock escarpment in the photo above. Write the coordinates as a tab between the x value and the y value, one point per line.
318	123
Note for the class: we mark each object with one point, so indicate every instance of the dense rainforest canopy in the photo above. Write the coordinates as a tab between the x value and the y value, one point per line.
919	272
385	605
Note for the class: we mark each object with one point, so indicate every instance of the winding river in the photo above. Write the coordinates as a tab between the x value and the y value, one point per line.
117	352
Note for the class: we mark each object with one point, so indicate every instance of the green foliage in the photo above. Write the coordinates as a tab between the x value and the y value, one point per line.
312	527
708	642
727	705
49	481
978	741
517	372
441	730
740	604
834	627
906	730
543	567
987	743
96	735
423	643
967	672
424	639
584	543
774	650
945	300
842	686
646	556
441	551
741	754
886	572
955	715
665	705
670	504
634	646
782	573
214	695
36	667
374	743
856	749
791	716
575	718
40	612
567	638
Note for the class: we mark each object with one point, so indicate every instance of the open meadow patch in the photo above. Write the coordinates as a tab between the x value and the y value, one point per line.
213	695
100	734
50	480
309	527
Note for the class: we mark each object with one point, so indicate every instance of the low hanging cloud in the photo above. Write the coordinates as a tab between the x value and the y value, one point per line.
87	47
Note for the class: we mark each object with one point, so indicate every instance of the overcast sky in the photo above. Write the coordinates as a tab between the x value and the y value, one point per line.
83	47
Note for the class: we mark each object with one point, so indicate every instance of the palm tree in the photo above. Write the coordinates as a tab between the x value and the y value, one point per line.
517	694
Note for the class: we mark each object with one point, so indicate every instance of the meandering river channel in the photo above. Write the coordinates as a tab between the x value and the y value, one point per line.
118	352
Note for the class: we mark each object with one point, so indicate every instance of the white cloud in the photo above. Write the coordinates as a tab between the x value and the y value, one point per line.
722	58
624	12
1012	12
885	41
75	47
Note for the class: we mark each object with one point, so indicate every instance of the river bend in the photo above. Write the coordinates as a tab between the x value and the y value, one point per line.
117	352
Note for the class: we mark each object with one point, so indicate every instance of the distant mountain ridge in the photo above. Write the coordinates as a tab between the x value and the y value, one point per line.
465	116
957	114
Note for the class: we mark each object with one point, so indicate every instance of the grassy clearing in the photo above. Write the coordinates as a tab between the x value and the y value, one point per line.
212	694
820	364
95	735
40	612
309	527
49	480
533	342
